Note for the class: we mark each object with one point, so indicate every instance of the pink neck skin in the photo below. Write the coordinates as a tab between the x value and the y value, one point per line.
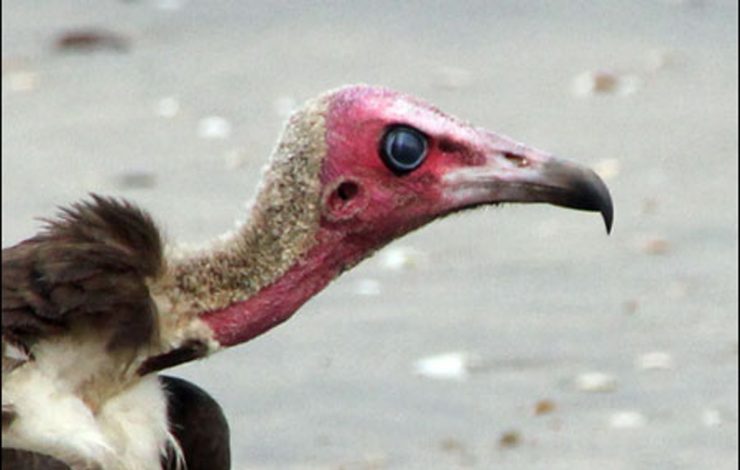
278	301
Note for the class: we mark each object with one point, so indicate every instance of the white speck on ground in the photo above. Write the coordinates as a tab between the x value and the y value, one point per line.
167	107
367	287
214	127
655	360
447	366
596	382
400	258
627	420
711	417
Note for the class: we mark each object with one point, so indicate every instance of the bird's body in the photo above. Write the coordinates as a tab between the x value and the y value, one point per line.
94	306
198	431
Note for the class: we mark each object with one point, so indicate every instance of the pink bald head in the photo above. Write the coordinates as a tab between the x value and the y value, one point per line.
390	163
463	166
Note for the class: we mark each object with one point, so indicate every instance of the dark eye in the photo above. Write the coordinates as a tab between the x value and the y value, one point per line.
403	149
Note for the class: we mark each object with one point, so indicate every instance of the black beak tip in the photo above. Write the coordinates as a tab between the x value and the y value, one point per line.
590	193
607	212
601	200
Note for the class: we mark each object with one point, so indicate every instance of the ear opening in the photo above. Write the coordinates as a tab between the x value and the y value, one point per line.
343	200
347	190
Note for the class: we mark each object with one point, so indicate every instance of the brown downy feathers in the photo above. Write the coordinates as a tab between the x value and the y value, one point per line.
88	268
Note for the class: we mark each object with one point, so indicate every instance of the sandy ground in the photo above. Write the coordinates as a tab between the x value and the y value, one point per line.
537	296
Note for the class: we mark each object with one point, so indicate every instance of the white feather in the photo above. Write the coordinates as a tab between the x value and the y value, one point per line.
51	396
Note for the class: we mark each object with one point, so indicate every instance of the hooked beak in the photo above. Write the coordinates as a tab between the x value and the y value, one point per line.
512	172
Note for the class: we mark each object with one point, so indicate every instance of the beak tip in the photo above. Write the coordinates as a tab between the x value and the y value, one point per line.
608	215
604	203
589	192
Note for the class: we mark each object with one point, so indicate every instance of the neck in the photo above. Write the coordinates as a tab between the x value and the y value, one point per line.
241	264
277	301
242	310
272	249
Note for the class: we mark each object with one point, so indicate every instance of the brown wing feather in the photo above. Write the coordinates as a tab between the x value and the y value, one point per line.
88	264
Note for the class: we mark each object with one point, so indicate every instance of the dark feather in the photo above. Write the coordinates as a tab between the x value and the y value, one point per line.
90	264
199	425
189	351
16	459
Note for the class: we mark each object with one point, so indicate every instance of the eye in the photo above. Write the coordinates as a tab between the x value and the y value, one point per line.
403	149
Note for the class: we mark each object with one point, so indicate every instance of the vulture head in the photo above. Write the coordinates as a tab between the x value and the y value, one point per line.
392	163
355	169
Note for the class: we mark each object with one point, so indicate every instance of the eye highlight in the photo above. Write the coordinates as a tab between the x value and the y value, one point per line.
403	149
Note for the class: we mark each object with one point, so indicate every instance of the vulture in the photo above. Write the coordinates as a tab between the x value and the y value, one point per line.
95	305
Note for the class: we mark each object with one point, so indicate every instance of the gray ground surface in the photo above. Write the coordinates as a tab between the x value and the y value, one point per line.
540	294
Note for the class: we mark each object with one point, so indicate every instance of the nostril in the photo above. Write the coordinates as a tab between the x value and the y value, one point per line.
517	159
347	190
449	146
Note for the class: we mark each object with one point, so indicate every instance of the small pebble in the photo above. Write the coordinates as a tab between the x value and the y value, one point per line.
596	382
214	127
544	407
510	439
367	287
167	107
604	83
91	40
656	360
627	420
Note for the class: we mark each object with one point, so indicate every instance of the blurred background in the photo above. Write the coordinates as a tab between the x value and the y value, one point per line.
514	337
